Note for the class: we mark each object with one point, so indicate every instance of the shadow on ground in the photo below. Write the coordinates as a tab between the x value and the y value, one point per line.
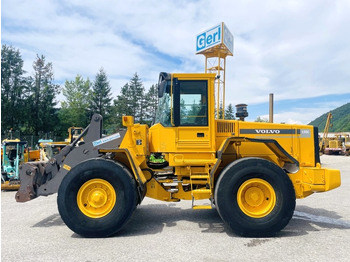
307	219
153	218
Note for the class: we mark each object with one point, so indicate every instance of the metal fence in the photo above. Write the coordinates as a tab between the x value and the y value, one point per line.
31	139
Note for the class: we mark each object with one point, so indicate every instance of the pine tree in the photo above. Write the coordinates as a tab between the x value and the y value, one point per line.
123	105
101	97
13	89
221	112
229	113
41	98
152	104
134	101
137	92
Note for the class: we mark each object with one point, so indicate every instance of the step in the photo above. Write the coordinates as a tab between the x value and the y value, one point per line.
206	176
201	193
202	207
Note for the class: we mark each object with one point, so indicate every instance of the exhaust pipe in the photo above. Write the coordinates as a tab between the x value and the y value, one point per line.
271	108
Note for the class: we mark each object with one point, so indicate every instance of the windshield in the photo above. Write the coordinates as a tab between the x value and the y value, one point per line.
164	107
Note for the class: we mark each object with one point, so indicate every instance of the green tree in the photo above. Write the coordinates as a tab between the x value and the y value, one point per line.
13	89
43	115
229	113
152	104
131	101
221	111
123	105
101	97
340	121
138	102
74	111
260	119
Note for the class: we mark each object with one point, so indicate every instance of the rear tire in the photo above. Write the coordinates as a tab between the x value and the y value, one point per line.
97	198
255	197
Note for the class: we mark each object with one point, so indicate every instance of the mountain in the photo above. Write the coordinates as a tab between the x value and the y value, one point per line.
340	121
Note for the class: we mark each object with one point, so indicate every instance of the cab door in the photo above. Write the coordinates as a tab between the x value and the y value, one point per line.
191	114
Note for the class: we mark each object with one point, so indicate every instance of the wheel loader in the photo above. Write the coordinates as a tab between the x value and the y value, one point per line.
250	172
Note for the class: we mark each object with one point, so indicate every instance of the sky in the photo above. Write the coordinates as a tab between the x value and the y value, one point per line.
297	50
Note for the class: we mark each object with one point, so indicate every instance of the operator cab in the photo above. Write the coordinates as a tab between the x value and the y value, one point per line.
182	102
185	115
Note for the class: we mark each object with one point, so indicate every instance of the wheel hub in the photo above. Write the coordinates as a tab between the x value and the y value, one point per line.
96	198
256	198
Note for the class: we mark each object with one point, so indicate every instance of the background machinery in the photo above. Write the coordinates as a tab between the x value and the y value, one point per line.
324	142
49	148
334	145
346	145
13	153
338	144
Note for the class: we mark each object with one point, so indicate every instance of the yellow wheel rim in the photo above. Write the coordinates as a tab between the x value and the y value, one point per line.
256	198
96	198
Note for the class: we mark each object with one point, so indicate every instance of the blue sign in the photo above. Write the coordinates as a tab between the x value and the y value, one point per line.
209	38
228	39
215	36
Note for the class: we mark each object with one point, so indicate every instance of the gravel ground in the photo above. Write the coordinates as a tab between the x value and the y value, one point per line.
160	231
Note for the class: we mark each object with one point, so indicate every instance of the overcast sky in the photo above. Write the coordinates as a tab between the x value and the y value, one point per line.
298	50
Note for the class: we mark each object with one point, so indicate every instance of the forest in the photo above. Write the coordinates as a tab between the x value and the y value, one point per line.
30	106
340	121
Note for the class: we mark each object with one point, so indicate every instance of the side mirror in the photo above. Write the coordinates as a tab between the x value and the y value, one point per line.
162	83
161	88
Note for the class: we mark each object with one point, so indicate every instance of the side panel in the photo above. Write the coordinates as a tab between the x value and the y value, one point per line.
297	140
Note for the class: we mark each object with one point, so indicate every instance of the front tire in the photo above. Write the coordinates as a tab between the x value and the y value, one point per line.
255	197
97	198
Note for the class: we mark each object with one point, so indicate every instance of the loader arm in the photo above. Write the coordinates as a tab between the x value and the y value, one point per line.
44	178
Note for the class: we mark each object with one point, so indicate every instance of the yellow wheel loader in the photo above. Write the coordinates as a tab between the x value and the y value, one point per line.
250	172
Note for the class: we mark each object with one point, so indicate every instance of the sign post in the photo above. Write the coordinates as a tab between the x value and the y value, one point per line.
216	44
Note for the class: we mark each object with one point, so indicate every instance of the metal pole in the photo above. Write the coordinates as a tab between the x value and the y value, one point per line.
206	64
271	108
218	88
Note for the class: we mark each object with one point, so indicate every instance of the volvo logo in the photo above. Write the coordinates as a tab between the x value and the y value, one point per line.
267	131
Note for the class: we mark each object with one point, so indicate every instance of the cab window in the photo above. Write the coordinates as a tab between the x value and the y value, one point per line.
193	103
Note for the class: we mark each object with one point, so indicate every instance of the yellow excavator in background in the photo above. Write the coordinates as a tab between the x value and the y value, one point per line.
324	141
49	148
